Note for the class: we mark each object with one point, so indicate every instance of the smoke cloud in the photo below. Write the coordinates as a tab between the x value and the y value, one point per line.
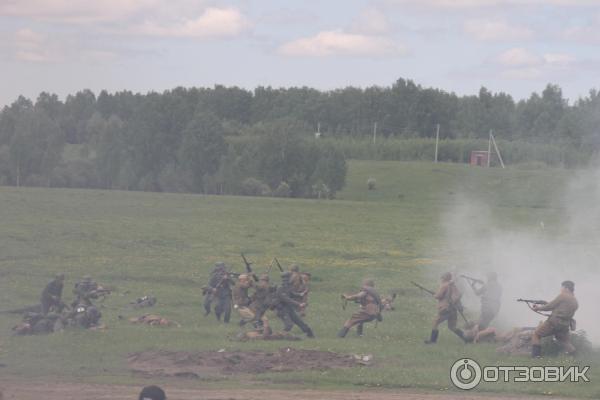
532	258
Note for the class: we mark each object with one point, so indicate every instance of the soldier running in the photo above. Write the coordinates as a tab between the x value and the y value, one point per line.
559	323
448	297
285	306
370	308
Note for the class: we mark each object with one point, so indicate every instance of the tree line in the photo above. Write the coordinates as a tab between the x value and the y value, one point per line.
228	140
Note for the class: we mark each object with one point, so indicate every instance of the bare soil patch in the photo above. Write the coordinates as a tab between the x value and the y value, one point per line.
214	363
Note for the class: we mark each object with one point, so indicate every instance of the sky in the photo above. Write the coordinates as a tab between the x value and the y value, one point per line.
511	46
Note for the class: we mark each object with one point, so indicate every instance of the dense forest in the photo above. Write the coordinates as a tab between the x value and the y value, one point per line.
227	140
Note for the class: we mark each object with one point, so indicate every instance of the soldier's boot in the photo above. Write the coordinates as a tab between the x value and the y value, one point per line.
343	332
218	315
359	329
536	351
434	337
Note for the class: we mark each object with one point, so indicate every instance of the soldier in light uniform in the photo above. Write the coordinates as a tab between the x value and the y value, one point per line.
370	308
559	323
448	297
491	298
241	299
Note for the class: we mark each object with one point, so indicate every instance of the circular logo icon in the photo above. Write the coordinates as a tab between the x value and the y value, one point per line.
465	374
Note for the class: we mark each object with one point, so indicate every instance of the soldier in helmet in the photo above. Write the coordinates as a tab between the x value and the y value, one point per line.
370	308
85	291
241	298
448	297
51	298
560	322
285	305
219	291
261	302
152	393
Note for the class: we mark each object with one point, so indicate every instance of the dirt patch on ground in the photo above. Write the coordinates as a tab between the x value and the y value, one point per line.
214	363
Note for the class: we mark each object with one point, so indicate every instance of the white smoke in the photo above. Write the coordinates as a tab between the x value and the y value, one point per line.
533	259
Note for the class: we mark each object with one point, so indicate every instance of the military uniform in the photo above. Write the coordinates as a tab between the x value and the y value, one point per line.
370	308
448	297
285	305
85	290
52	294
491	297
563	309
219	292
299	283
241	299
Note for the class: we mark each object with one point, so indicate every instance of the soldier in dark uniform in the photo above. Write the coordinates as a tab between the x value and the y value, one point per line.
219	291
370	308
52	294
285	305
448	297
559	323
491	298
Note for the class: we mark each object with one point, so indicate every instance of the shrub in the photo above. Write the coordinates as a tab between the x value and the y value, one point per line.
254	187
371	182
283	190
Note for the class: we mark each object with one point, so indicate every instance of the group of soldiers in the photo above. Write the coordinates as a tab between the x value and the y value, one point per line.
256	300
288	302
559	322
255	297
53	313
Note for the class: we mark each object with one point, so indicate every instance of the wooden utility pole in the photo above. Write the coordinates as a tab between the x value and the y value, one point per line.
497	151
437	140
489	157
375	133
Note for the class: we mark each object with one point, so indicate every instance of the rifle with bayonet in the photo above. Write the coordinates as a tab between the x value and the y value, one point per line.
249	268
457	306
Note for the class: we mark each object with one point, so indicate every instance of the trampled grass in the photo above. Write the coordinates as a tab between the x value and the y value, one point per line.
165	244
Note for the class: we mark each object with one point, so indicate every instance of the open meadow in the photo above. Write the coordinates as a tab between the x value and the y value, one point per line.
138	243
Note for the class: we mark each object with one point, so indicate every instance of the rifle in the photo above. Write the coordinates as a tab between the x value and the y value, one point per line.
278	265
472	281
459	309
423	288
249	268
530	304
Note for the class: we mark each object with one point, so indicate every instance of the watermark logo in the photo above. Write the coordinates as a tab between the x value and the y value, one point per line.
467	374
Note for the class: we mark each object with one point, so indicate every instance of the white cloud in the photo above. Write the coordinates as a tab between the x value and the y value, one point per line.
371	21
519	57
519	63
496	30
31	46
212	23
339	43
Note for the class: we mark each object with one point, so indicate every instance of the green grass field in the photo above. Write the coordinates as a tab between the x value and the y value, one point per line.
165	245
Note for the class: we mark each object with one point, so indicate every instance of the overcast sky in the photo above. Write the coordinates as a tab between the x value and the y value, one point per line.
515	46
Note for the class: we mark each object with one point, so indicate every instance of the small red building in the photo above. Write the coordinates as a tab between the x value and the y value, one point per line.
479	158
